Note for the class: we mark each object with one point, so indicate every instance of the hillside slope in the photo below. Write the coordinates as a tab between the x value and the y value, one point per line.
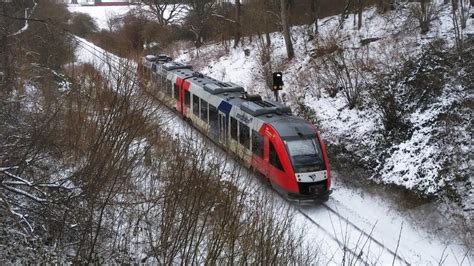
405	116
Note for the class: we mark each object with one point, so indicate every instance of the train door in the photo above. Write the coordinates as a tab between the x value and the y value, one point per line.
213	122
266	153
184	96
222	127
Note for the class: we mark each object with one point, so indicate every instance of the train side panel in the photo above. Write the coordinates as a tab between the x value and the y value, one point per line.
277	164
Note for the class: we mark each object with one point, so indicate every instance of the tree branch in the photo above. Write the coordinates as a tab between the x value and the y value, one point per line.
24	193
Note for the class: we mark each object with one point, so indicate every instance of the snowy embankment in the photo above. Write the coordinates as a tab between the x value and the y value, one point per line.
417	245
103	15
415	160
107	16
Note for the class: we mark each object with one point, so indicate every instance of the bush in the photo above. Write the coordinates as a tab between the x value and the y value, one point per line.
82	24
385	93
46	43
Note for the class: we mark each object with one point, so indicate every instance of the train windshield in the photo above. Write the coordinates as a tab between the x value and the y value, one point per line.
305	154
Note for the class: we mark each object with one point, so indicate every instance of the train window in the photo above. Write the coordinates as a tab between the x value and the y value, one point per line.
274	159
212	115
163	82
233	128
169	88
244	136
176	91
257	143
195	105
204	111
306	154
158	81
187	99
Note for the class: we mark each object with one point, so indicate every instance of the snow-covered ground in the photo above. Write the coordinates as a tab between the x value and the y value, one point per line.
423	241
373	214
415	162
102	14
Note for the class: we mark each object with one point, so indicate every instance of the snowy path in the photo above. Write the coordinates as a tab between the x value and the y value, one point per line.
370	213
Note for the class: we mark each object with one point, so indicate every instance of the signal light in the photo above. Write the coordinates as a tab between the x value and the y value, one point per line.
277	81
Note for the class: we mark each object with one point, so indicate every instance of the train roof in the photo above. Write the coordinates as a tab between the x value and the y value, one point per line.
291	126
275	113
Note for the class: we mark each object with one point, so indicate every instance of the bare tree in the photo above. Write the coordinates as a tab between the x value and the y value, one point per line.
424	11
4	60
266	62
360	8
341	71
238	25
315	10
462	7
285	23
460	14
13	21
345	12
165	11
200	11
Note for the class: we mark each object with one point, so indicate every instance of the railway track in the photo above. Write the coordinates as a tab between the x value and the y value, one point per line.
367	235
360	250
355	255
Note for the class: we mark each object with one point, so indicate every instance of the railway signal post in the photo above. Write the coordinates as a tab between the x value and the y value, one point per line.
277	84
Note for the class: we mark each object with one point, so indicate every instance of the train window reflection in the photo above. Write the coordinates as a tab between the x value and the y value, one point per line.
305	154
274	158
176	91
257	143
187	99
204	111
244	135
196	105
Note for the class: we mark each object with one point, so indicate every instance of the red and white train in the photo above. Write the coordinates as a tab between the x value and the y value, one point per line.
287	150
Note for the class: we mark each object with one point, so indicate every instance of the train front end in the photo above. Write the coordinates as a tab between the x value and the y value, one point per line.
310	168
307	176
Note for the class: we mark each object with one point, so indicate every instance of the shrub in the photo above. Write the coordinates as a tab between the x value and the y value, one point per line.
82	24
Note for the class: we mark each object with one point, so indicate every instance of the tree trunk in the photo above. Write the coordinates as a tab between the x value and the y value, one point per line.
382	6
4	60
238	15
359	20
354	16
344	13
315	7
464	14
267	37
267	27
284	6
457	35
424	25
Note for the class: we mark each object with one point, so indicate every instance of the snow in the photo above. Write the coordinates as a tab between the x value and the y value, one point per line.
417	244
372	213
27	16
101	14
420	243
414	164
